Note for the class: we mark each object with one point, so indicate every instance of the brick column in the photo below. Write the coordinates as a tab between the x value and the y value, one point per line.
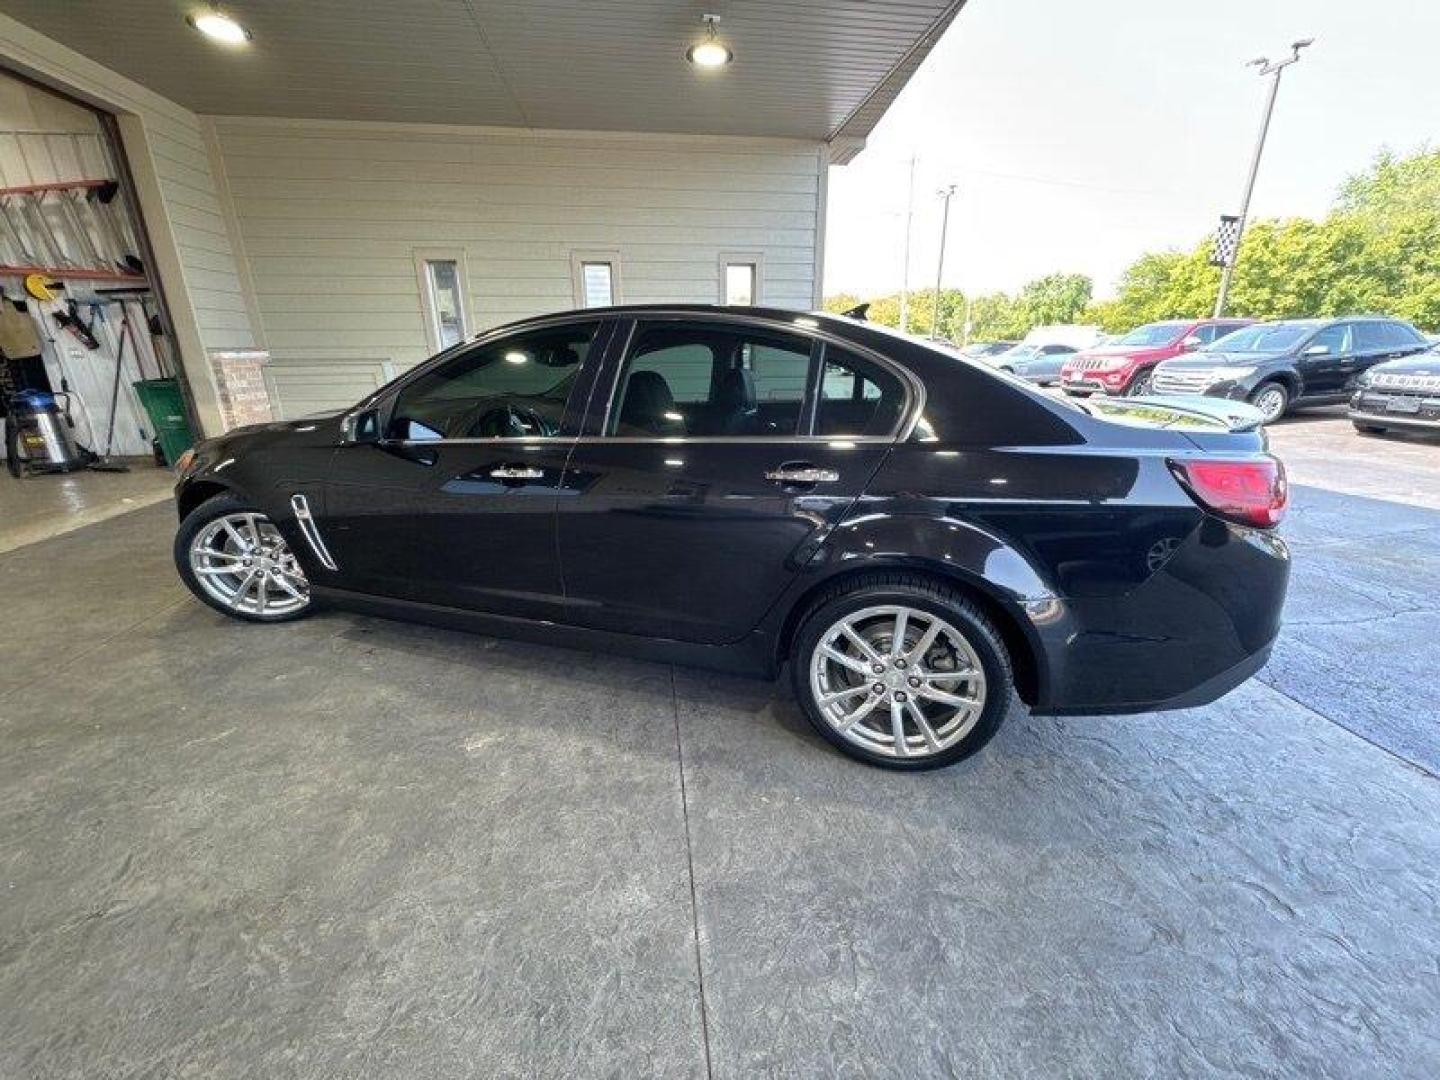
240	379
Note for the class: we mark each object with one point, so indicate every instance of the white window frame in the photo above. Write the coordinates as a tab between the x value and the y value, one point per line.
429	313
742	258
579	258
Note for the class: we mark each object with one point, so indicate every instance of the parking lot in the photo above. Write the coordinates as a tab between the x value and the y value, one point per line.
353	847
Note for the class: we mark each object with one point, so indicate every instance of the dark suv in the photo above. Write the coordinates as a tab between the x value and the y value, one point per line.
915	536
1276	365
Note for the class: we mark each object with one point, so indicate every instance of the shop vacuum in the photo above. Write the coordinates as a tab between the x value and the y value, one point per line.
37	435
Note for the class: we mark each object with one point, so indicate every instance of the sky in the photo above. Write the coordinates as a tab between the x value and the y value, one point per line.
1081	135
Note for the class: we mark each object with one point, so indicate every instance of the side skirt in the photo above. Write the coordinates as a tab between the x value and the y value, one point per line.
750	656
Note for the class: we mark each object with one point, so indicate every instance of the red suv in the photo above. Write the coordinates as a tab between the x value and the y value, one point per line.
1126	366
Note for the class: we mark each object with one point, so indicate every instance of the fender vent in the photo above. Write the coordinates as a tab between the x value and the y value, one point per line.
306	521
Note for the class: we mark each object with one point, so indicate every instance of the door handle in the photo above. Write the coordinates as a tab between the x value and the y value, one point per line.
517	472
800	473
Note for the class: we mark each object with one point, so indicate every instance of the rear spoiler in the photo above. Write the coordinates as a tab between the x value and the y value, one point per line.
1180	411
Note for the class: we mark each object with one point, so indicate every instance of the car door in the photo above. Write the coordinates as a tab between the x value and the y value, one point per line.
718	453
1326	359
455	503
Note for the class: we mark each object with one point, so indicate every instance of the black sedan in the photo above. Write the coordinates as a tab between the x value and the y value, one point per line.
1402	394
1277	365
915	536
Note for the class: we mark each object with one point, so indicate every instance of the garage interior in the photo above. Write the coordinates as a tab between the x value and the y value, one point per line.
352	847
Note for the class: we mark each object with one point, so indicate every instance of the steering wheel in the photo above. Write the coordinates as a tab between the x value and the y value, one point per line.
510	422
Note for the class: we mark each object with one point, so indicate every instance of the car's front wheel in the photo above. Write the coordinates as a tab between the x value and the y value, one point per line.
1141	384
1272	399
901	671
234	559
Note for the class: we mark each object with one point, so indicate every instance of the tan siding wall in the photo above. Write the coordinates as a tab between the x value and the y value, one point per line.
330	216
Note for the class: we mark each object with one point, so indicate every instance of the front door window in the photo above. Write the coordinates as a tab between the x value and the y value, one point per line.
514	387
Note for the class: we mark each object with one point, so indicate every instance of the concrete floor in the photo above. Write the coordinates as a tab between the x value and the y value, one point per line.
346	847
39	507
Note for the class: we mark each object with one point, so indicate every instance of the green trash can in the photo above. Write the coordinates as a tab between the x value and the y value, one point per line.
166	409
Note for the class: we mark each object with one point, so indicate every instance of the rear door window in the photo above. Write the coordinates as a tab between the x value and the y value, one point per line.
857	397
1371	337
711	379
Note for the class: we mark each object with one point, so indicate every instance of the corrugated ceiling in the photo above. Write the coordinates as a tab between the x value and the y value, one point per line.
802	69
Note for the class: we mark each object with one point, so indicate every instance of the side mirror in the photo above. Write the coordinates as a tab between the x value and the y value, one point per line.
1318	350
1191	342
362	426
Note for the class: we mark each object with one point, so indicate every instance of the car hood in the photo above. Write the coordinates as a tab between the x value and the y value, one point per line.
1207	360
1426	363
1128	352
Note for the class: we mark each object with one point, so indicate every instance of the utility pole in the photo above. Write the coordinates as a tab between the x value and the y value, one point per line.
905	270
1274	70
946	193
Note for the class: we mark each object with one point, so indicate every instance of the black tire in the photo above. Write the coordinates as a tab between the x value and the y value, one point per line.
1141	384
212	508
928	595
1264	388
1370	429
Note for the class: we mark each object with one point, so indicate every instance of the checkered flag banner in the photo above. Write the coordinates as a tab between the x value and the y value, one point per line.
1227	241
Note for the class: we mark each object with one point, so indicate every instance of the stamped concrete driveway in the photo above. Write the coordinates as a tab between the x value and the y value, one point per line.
347	847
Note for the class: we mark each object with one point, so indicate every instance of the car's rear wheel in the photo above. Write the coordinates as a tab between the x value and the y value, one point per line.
1272	399
234	559
901	671
1370	429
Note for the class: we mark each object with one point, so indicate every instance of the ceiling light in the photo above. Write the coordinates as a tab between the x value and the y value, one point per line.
219	27
709	52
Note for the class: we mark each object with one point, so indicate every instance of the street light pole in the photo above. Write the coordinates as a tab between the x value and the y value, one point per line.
945	193
1274	70
905	269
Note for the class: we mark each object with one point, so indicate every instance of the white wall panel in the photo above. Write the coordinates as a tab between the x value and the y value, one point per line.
329	217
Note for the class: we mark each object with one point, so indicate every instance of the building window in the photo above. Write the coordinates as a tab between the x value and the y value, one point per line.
443	297
597	281
596	278
740	278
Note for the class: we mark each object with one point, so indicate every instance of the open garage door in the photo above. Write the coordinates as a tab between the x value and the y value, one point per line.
81	316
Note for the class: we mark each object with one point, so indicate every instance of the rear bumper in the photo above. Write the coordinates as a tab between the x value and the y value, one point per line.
1190	632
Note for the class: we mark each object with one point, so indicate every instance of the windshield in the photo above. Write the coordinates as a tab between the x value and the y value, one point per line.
1020	352
1158	333
1263	338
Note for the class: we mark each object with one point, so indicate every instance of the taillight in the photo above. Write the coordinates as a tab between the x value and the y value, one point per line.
1248	492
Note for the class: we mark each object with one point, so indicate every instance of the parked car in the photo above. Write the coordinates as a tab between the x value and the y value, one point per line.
1128	365
1401	394
751	488
979	350
1036	363
1277	365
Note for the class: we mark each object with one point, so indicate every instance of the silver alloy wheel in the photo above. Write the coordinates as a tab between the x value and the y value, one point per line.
1270	402
897	681
243	562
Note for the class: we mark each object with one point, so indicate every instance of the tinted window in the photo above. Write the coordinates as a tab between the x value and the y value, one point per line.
1338	339
710	379
1370	336
857	397
1207	334
1401	335
515	386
